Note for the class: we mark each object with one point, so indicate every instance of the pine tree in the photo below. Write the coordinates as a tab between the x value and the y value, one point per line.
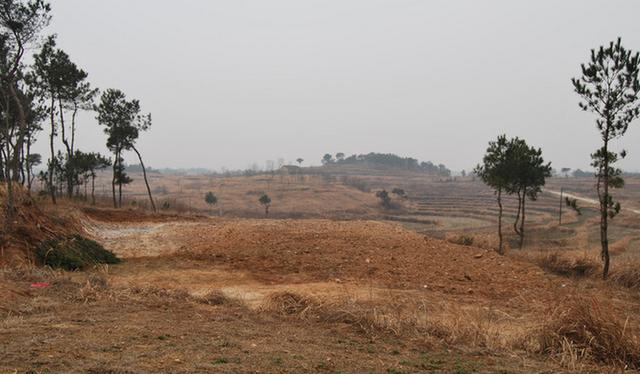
609	88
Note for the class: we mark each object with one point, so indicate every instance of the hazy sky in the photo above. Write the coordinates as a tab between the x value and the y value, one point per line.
234	82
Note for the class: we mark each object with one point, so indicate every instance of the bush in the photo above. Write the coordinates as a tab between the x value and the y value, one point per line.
74	253
385	200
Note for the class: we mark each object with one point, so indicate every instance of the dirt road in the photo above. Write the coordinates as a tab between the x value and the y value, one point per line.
586	200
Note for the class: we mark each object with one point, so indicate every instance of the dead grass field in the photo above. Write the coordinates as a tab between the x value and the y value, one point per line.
229	295
441	207
350	288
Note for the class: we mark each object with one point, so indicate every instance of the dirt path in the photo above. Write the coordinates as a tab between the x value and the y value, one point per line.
586	200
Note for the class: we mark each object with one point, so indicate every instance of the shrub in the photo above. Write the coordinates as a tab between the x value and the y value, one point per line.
384	198
74	253
400	192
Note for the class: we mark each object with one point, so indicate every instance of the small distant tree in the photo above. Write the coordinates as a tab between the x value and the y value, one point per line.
98	162
463	173
327	159
495	173
385	199
573	204
610	88
339	157
527	173
265	201
123	123
299	161
210	198
565	172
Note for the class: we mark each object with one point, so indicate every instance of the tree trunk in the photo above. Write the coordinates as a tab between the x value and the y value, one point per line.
500	247
561	203
27	164
93	188
73	127
70	167
22	121
8	218
524	200
146	182
23	178
52	162
120	194
604	207
2	164
517	221
113	179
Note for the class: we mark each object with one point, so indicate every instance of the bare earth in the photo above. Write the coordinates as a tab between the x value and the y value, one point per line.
386	299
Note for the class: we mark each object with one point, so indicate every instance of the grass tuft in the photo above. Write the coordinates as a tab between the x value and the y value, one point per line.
584	328
567	266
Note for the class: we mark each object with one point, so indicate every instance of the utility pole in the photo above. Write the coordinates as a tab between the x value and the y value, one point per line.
560	215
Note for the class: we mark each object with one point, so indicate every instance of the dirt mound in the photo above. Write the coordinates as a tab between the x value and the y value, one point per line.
134	215
32	224
296	251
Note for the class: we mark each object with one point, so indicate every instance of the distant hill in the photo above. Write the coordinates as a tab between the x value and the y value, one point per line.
387	161
136	168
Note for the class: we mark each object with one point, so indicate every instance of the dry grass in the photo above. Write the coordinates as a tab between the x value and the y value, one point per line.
216	297
27	273
574	266
410	318
627	276
576	333
158	293
583	328
486	241
292	195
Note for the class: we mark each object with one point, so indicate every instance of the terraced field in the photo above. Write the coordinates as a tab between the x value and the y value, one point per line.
463	206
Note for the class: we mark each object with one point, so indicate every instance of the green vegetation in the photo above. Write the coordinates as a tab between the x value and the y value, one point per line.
265	201
384	198
74	253
573	204
123	122
210	198
220	361
610	88
513	167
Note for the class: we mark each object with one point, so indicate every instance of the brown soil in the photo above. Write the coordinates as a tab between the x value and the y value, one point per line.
385	299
